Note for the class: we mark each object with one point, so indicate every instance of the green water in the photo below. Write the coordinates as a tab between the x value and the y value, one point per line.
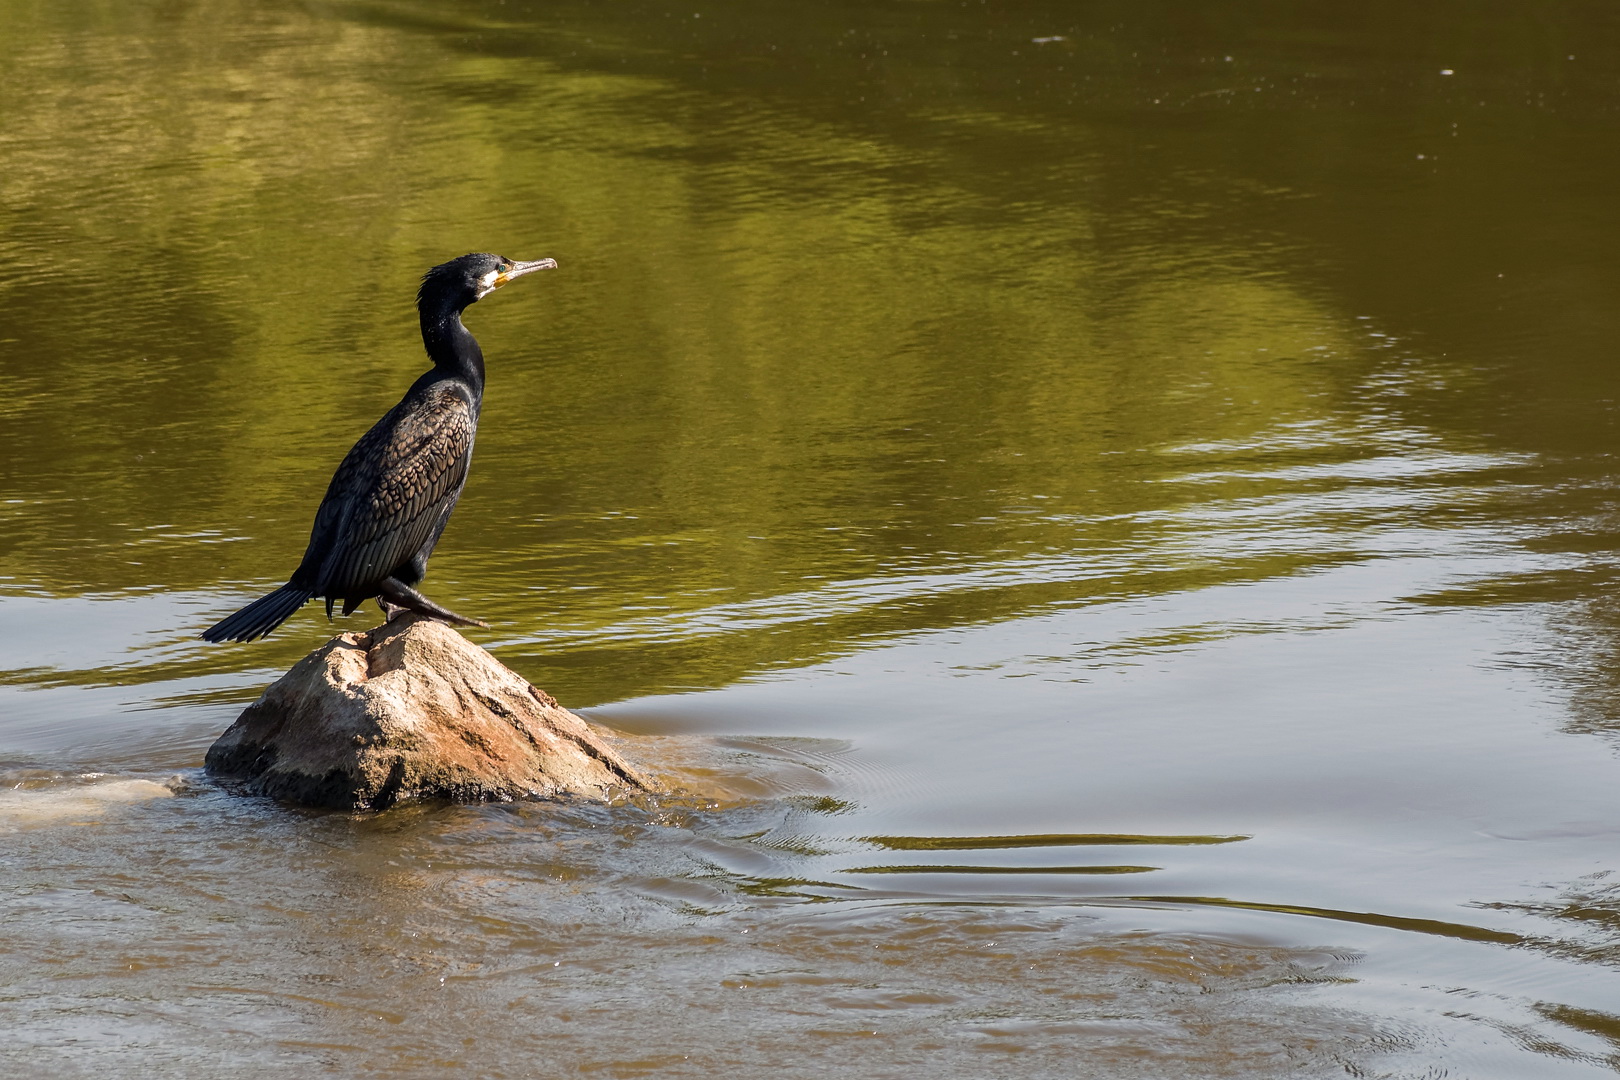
1116	500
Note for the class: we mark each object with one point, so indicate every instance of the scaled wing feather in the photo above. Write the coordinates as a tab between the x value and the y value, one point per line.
393	489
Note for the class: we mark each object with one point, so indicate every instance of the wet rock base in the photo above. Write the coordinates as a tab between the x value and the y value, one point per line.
413	710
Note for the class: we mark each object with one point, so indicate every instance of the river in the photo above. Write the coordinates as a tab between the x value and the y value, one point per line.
1107	510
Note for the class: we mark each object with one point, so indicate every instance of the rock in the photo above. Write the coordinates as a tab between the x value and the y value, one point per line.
409	710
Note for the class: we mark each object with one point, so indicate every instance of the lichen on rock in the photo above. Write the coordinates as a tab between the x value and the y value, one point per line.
413	710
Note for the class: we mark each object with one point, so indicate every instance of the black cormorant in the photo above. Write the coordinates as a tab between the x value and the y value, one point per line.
391	498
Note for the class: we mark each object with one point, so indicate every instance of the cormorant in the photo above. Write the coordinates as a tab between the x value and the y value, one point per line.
391	498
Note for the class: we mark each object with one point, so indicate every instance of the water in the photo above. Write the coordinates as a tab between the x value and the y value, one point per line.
1107	511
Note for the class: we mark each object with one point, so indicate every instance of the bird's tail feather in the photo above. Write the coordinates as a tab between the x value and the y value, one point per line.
260	617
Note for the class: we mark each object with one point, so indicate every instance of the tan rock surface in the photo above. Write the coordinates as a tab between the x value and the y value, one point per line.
408	710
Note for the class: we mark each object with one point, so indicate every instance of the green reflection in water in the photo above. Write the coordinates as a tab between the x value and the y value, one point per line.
1462	931
816	369
977	843
919	869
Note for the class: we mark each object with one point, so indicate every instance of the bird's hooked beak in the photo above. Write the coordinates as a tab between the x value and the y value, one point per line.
521	268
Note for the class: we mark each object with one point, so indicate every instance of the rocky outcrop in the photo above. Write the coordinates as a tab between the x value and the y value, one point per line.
413	710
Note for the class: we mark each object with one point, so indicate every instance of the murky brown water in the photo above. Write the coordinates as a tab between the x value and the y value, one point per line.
1117	500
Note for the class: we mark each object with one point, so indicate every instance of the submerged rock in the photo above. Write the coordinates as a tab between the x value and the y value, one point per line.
30	798
408	710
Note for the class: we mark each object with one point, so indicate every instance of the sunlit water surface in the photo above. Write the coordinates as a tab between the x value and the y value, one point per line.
1106	512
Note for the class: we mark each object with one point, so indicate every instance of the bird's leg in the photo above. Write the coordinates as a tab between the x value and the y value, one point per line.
395	593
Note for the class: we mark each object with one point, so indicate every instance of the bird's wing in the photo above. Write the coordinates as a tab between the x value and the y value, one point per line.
392	489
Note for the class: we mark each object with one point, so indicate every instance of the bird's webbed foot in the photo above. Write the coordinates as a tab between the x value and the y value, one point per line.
391	611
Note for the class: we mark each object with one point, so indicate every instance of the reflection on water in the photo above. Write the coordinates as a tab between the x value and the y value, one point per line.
1106	513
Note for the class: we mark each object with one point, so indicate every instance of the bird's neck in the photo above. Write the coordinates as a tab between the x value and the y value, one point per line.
452	348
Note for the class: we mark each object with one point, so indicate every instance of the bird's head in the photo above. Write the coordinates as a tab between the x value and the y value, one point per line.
467	280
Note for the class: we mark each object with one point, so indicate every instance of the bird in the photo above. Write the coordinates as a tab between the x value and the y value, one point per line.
391	497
